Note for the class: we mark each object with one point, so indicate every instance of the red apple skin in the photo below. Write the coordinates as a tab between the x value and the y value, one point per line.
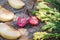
22	22
33	20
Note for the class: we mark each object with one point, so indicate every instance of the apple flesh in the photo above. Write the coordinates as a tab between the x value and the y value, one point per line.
8	32
5	15
17	4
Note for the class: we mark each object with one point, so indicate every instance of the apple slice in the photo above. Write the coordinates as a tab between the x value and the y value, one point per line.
17	4
5	15
8	32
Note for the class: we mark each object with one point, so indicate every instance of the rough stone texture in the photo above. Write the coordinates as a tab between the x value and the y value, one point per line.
31	29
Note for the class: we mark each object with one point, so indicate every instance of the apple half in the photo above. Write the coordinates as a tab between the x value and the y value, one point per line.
17	4
5	15
8	32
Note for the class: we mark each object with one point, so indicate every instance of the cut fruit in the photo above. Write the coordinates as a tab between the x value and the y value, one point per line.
8	32
17	4
5	15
